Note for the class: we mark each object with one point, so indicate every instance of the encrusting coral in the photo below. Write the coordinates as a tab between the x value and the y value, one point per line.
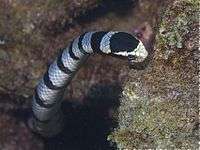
159	106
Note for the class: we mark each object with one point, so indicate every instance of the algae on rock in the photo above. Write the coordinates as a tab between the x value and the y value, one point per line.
159	105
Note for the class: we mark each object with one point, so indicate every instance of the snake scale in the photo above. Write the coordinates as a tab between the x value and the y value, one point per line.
47	118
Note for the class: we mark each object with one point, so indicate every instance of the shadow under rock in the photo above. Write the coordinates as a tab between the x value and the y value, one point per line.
119	7
87	126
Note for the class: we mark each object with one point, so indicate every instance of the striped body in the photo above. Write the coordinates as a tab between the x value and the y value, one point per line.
47	116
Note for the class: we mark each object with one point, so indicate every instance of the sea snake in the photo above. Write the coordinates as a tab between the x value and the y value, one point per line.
47	118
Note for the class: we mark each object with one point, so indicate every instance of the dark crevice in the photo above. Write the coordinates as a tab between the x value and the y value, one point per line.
119	7
87	126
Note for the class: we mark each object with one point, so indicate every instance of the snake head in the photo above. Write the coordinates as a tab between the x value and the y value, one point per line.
130	47
137	57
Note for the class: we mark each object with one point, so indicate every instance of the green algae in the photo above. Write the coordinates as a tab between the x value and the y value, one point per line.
181	16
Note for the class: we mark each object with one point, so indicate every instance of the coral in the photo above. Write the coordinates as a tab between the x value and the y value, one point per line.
171	35
154	123
159	105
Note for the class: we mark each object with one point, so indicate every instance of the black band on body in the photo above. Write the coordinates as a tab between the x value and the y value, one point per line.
40	102
49	83
96	41
61	65
72	55
122	41
80	46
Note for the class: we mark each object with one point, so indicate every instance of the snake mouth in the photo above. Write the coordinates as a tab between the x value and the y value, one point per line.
138	63
135	59
132	59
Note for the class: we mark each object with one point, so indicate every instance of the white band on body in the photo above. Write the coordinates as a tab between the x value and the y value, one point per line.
105	42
